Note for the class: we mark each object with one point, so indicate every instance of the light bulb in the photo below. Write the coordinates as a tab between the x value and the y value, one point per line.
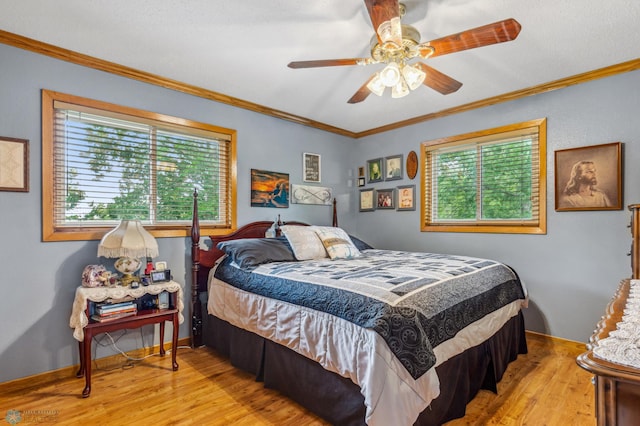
376	85
399	90
390	75
413	76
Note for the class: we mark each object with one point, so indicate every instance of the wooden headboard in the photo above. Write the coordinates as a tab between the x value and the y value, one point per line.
202	260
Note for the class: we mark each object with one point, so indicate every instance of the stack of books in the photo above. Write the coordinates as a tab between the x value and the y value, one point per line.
111	311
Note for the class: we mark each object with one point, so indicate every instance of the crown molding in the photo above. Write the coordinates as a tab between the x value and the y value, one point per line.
46	49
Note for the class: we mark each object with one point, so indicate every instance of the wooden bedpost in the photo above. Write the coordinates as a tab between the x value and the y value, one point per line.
196	311
335	214
635	241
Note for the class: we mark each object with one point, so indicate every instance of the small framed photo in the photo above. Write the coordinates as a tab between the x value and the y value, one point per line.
311	167
361	181
406	198
385	199
393	167
361	172
375	168
589	178
14	164
161	266
366	200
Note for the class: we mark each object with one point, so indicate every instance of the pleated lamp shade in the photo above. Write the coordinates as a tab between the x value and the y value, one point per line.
128	239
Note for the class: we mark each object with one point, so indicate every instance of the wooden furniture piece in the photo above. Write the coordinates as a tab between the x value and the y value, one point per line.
86	328
635	240
208	258
617	387
335	398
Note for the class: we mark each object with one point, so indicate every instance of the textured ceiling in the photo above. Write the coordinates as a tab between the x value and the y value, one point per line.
242	48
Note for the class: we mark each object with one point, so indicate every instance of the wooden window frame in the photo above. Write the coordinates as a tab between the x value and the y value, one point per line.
51	232
538	226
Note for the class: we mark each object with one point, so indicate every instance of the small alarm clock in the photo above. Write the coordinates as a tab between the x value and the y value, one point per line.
160	276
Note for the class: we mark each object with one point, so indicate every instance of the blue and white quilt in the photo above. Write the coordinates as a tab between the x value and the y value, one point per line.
414	301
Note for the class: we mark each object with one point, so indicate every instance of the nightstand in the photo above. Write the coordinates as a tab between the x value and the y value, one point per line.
85	327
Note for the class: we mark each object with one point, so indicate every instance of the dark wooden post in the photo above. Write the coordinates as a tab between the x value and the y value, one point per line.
196	311
635	241
335	214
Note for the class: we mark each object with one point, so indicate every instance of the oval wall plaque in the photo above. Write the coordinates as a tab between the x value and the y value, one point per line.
412	164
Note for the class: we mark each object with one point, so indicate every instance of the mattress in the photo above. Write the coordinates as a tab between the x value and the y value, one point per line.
276	301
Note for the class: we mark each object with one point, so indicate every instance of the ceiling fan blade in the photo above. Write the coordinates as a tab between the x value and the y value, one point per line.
362	92
329	63
385	17
438	81
498	32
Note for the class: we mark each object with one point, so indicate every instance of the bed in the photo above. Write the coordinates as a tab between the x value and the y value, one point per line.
360	335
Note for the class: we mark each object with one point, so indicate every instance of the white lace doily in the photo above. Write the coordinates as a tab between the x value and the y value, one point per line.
79	318
622	346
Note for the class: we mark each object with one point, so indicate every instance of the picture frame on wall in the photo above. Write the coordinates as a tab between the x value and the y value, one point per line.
361	181
311	167
14	164
385	199
406	197
269	189
307	194
366	200
375	170
393	167
589	178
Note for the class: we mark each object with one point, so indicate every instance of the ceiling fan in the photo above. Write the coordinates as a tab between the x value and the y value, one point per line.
396	44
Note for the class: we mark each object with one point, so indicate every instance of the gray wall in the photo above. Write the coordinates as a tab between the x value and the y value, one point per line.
571	272
39	279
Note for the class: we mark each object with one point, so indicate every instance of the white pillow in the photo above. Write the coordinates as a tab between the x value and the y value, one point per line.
304	242
337	242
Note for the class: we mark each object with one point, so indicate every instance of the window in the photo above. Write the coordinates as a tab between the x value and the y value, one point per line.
488	181
102	163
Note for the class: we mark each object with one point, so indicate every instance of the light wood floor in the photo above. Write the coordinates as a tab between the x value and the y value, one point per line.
544	387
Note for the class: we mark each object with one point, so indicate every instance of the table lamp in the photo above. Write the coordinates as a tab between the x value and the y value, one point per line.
129	241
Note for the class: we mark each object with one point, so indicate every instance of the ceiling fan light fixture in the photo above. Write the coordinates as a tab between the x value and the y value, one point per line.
391	75
395	45
376	86
400	90
413	76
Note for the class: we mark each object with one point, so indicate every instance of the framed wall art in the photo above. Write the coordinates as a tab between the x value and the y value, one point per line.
589	178
14	164
393	167
311	167
375	170
306	194
269	189
366	200
406	197
385	199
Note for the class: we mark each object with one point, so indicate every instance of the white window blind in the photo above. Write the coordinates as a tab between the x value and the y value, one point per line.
491	179
109	167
